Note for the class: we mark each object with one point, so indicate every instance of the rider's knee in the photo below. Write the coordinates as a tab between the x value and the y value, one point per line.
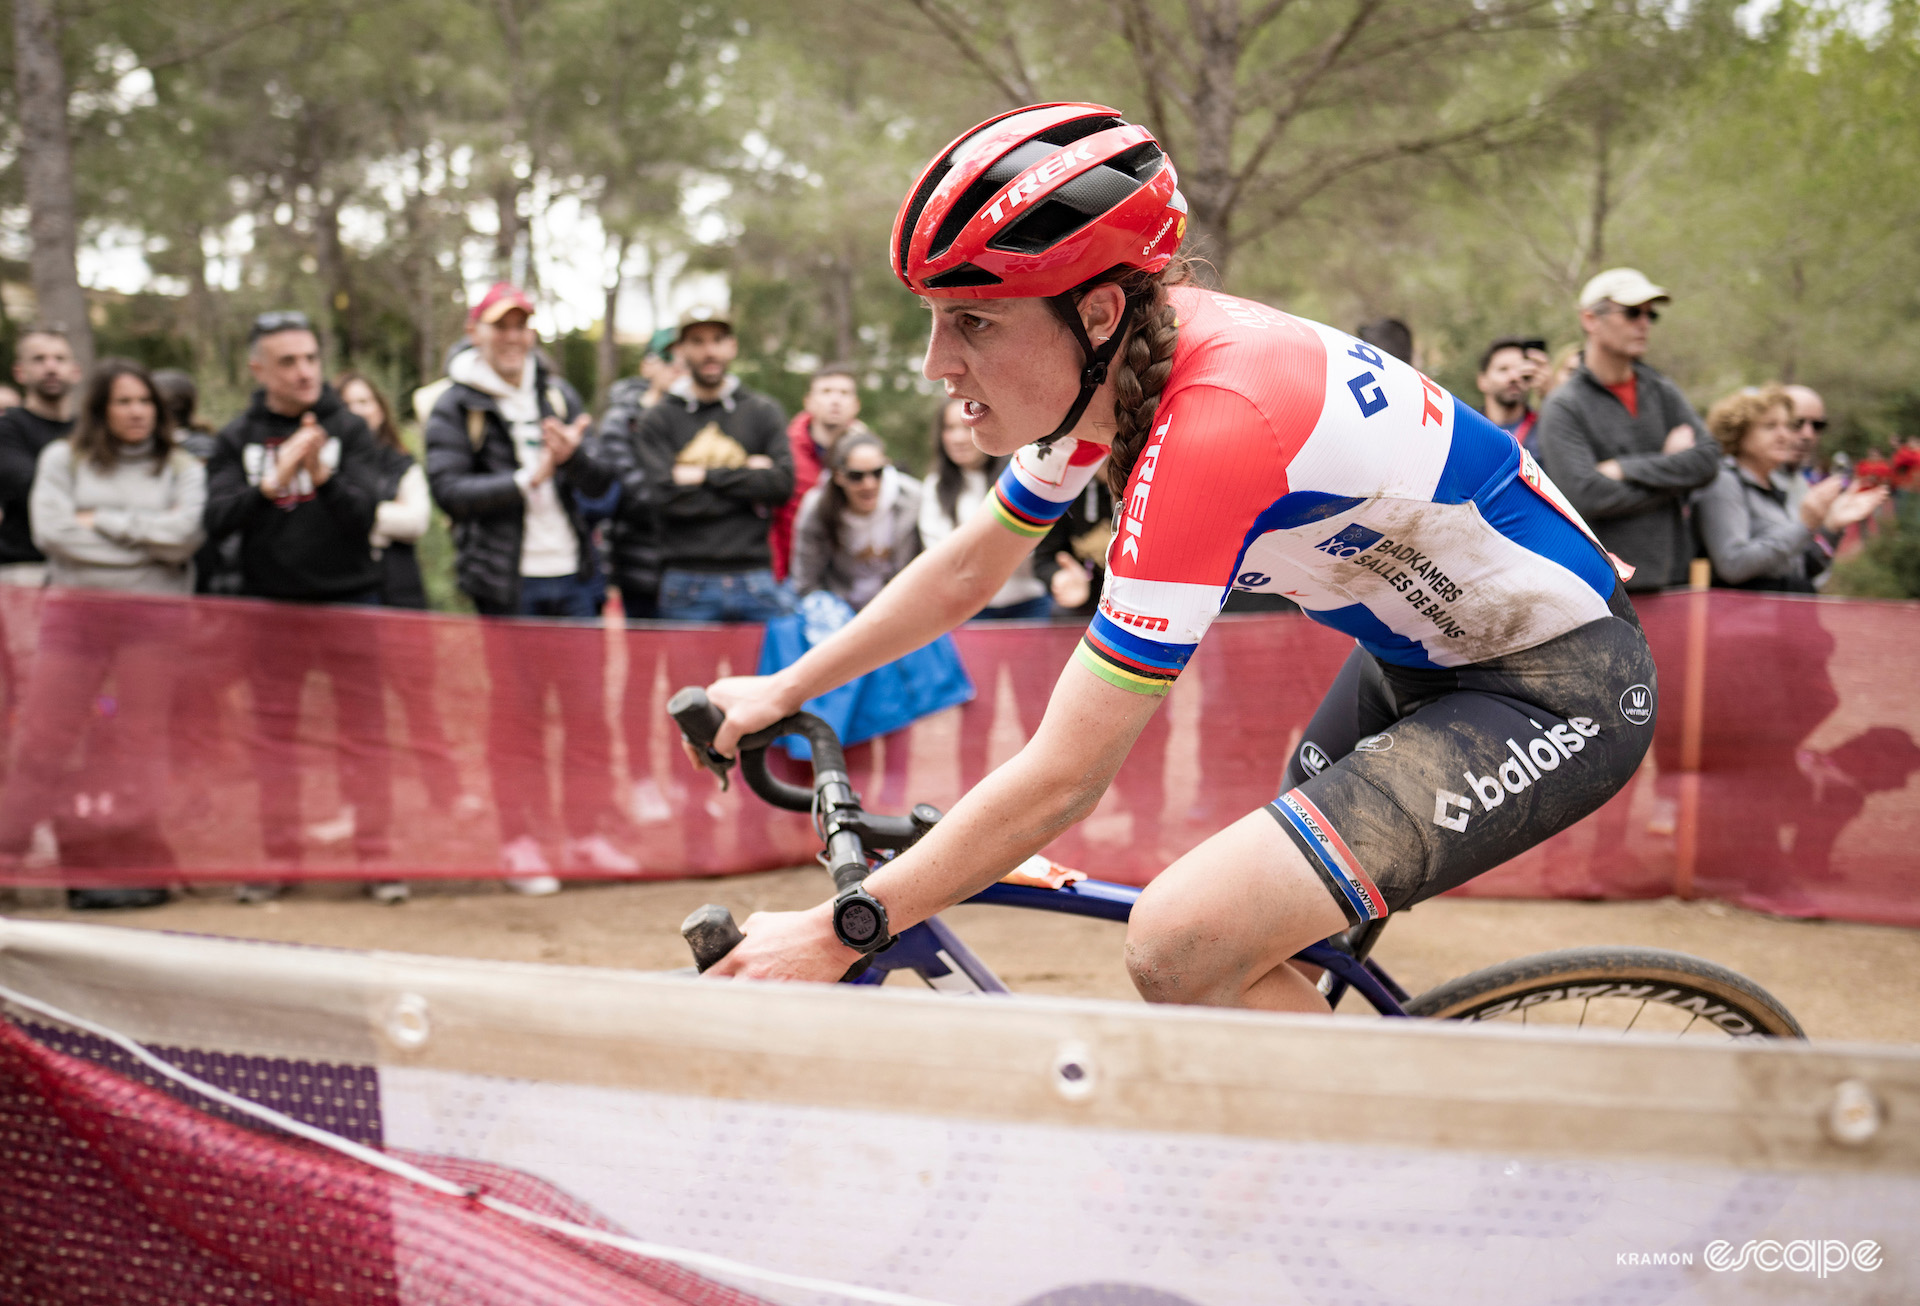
1174	965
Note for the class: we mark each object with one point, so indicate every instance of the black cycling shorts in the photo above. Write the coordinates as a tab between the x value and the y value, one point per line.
1409	782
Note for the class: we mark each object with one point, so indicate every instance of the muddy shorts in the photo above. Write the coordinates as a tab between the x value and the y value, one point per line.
1408	782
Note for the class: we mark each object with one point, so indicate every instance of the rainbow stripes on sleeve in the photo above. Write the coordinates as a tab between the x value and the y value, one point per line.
1022	511
1129	661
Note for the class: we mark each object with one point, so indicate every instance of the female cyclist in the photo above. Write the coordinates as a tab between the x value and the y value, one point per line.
1500	688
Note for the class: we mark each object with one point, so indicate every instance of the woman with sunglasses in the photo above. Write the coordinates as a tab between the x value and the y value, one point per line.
1755	534
1499	688
857	529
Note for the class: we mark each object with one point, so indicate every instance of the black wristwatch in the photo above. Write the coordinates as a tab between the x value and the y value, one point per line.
860	921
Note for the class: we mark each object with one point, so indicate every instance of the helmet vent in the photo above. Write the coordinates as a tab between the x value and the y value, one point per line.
968	206
916	208
1077	130
967	274
1143	162
1067	210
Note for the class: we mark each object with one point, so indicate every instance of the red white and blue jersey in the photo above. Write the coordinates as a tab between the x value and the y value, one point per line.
1290	458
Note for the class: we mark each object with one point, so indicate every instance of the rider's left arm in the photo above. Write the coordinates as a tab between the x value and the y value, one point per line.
1053	782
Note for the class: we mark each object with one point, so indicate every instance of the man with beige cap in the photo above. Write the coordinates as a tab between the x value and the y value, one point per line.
1621	441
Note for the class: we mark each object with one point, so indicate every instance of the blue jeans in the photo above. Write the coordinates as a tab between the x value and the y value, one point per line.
722	596
557	596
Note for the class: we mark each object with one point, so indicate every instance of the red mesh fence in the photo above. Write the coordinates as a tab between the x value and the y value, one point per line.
116	1191
156	740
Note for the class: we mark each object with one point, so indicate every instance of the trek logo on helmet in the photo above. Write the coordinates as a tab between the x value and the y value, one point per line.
1030	185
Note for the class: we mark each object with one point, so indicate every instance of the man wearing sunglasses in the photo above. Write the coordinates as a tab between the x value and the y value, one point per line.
1621	441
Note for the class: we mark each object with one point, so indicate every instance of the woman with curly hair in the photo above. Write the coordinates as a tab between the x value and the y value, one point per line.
1742	518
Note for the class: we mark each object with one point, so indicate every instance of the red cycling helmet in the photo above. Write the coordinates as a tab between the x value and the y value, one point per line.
1036	201
1033	203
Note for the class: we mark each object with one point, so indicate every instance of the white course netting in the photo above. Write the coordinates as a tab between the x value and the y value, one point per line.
433	1131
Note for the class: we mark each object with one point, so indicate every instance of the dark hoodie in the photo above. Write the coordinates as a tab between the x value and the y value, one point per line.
23	435
310	543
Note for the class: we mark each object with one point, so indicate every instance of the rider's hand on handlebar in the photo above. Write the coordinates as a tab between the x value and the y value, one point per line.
751	703
788	945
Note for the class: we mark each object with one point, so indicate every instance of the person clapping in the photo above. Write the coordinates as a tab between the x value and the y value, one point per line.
1752	538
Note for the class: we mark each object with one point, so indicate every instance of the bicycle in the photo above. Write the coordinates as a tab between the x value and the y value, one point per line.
1580	988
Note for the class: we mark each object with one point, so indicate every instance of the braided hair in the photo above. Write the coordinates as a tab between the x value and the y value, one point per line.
1141	368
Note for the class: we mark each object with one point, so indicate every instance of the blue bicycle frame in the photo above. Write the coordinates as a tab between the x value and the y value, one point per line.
937	955
931	949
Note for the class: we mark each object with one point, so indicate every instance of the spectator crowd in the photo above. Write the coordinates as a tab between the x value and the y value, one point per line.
692	498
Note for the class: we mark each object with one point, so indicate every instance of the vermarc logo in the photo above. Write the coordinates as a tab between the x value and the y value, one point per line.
1636	704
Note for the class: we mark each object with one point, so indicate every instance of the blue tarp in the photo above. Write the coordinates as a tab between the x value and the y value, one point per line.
923	682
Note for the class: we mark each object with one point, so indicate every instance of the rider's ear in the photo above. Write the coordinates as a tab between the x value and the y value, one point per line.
1101	311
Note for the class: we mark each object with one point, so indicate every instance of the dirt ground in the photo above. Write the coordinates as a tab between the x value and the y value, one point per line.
1843	981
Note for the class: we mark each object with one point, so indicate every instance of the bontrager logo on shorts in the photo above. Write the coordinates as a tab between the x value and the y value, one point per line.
1337	861
1636	704
1518	772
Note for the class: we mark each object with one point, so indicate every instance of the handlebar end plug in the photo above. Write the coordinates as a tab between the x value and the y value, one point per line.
711	934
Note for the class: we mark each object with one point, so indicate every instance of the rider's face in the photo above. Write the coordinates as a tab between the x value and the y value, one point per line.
1010	361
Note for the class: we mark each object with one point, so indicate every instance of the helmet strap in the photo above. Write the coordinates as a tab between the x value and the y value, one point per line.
1094	374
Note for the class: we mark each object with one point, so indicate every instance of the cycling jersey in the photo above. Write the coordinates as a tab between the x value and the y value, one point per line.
1288	457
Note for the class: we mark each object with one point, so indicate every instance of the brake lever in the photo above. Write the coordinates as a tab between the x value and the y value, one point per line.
699	721
717	762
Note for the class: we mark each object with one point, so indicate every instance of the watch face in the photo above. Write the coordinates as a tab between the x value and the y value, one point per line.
858	922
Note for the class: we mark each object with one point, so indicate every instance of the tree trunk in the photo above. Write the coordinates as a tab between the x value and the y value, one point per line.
330	254
840	304
1602	193
47	155
607	357
506	191
202	332
1206	175
506	207
1790	337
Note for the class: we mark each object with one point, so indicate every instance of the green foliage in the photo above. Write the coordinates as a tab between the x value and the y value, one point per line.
435	554
1888	567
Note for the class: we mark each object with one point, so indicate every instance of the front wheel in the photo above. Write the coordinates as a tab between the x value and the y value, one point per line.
1613	990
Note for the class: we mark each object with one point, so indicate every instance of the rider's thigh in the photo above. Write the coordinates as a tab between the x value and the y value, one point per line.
1226	915
1356	705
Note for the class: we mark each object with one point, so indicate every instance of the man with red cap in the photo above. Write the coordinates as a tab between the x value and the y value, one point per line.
508	461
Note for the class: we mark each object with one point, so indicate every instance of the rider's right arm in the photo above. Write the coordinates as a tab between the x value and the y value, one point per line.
936	592
1053	782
